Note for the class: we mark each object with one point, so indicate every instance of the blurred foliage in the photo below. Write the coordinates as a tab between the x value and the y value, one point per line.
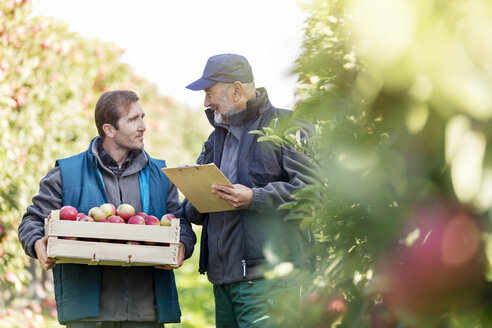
400	93
50	80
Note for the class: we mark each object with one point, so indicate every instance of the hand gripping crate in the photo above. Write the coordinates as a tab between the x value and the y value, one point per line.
102	252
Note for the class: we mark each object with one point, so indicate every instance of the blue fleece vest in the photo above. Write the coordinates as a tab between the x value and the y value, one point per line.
78	287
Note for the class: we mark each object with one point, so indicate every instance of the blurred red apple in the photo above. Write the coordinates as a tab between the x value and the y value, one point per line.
142	214
151	220
334	308
4	65
323	310
136	219
444	262
47	43
68	213
167	219
108	209
125	211
97	214
115	219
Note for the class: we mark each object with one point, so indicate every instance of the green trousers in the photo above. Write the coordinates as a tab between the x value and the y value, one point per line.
250	304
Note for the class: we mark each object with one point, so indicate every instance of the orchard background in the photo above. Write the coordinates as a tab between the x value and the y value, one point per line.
400	93
50	80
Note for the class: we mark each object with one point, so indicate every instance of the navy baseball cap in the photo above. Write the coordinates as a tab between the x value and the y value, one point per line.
226	68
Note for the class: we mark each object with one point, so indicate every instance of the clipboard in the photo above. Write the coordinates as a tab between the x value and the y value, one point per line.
195	182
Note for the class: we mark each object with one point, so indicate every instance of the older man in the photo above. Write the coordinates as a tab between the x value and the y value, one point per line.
234	244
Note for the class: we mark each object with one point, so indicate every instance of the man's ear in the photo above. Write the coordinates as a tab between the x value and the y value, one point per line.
238	91
108	130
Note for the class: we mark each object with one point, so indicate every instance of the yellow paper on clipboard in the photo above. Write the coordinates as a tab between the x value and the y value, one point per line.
195	182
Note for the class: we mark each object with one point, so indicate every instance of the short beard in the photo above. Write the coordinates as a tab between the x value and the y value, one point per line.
220	119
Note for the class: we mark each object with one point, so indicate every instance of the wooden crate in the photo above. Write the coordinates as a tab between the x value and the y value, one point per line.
111	253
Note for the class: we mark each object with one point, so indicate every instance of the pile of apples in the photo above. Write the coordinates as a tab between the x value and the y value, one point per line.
125	213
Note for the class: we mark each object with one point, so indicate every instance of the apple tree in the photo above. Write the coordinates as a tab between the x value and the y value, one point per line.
400	95
50	79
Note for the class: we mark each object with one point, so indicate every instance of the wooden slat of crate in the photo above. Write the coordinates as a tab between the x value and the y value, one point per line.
118	231
103	253
100	253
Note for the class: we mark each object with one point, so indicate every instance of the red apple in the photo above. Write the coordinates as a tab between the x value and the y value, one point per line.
136	219
80	215
85	218
323	310
4	65
109	209
68	213
125	211
151	220
445	260
167	219
97	214
142	214
115	219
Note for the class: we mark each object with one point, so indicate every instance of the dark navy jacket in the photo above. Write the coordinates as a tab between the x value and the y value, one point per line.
258	165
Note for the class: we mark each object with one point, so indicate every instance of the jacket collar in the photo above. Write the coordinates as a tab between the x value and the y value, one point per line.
254	108
138	163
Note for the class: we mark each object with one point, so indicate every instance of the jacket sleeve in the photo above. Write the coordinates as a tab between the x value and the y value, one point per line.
300	171
191	213
49	198
188	210
187	235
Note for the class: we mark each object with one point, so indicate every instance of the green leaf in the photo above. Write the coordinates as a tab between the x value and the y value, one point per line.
292	129
287	206
274	139
306	223
293	216
257	132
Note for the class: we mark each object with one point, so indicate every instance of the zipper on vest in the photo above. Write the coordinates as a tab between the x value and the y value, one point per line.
244	268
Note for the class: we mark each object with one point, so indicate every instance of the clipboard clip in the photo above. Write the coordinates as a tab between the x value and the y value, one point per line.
187	165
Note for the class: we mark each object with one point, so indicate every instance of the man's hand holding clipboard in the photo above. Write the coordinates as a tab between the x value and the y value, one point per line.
208	189
238	196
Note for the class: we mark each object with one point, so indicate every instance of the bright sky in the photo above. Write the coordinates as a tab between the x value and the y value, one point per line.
169	42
